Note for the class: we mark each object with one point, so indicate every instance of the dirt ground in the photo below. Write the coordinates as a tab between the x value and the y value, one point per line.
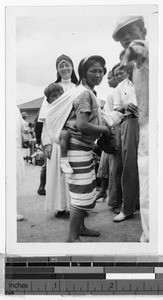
40	226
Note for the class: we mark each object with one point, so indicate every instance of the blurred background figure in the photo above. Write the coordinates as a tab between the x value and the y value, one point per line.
24	116
20	171
38	131
32	130
26	139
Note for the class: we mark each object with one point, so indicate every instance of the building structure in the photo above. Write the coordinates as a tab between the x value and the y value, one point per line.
31	108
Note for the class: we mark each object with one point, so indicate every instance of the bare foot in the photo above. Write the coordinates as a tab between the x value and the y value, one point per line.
69	240
88	232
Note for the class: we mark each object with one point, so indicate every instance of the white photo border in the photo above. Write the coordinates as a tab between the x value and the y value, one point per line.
40	249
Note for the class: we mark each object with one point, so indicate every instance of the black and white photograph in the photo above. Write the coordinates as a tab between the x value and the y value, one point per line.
82	129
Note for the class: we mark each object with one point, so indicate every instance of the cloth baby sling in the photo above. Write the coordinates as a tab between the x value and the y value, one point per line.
59	110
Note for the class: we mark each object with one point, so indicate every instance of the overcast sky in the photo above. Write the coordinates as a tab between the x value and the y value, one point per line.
42	34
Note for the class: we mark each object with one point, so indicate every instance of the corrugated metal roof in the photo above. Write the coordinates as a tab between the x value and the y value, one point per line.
33	104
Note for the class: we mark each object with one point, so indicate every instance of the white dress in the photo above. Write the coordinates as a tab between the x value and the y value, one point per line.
57	191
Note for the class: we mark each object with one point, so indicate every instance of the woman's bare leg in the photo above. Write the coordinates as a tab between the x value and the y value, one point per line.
76	219
84	231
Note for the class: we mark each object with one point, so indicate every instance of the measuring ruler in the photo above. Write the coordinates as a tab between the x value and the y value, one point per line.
81	275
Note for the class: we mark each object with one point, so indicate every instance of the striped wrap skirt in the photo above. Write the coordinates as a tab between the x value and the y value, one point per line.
82	183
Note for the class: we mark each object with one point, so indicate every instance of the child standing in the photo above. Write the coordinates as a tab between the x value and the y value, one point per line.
52	93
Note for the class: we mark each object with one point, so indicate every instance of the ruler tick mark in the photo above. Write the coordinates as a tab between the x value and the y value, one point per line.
33	269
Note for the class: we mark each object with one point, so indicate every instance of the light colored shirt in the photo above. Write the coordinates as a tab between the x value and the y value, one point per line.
109	105
102	90
123	94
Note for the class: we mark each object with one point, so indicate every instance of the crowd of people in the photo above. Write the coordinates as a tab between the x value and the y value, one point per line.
71	121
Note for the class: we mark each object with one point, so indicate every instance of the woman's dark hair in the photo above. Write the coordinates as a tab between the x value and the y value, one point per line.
84	65
73	77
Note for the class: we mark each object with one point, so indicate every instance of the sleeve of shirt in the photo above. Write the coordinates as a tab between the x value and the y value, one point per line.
117	98
45	138
83	103
43	110
144	47
134	101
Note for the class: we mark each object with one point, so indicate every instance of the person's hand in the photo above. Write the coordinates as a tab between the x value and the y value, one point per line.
132	108
106	130
138	51
48	151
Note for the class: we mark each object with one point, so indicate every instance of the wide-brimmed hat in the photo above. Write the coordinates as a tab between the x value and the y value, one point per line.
63	57
124	21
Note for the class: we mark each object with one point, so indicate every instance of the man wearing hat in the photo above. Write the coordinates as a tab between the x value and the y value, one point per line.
26	149
26	124
24	115
131	33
